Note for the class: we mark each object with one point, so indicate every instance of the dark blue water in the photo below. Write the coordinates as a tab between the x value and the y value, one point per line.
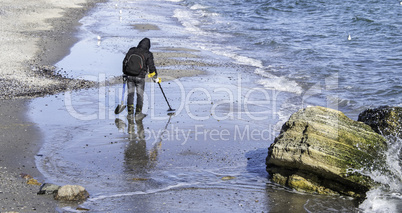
339	54
297	45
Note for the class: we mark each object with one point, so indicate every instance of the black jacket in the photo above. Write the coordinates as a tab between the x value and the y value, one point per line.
143	48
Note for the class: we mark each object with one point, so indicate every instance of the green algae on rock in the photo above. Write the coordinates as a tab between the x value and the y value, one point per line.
320	150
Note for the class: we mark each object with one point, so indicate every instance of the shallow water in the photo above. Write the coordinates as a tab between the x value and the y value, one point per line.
194	159
264	63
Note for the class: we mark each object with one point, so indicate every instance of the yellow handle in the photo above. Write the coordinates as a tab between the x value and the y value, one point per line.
150	75
158	80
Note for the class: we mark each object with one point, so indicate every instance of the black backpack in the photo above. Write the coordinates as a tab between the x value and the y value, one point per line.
134	64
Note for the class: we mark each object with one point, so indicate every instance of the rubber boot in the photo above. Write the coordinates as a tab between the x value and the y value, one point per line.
130	109
138	114
138	110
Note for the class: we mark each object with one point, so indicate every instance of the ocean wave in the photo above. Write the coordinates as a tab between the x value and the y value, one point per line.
278	83
150	191
189	23
198	7
361	19
243	60
388	196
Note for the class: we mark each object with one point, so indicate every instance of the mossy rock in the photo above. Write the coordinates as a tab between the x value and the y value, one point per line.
384	120
319	150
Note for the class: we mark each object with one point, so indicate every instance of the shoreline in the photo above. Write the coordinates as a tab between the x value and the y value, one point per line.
47	41
187	152
35	37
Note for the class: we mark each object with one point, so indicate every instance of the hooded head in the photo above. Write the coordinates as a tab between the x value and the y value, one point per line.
144	44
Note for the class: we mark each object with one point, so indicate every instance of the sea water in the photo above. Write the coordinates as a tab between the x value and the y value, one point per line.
339	54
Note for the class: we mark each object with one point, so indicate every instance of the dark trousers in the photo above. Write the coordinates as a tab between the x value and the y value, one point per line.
137	85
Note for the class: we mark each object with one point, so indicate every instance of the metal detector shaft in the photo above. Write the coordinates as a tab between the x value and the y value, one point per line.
170	108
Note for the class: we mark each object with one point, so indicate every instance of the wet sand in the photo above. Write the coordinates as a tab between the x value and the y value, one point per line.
34	35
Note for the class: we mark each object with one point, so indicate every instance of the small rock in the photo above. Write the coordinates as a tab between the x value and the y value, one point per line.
48	188
82	209
33	181
71	193
140	179
25	176
228	178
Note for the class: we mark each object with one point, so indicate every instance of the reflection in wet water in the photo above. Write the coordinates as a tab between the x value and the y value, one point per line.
136	157
138	160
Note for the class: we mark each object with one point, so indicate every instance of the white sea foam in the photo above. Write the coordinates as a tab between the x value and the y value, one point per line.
378	202
189	20
239	59
388	196
186	19
278	83
198	7
150	191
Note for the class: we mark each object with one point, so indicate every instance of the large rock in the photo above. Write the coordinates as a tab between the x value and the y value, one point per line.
384	120
71	193
320	150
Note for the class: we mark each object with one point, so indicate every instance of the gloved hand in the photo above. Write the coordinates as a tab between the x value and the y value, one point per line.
154	77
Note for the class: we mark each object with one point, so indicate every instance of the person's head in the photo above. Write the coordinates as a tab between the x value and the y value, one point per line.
145	43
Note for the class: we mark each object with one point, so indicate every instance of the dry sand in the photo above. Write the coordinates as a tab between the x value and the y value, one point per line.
34	35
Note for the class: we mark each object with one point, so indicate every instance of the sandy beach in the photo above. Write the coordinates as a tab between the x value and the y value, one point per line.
232	87
209	156
34	35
